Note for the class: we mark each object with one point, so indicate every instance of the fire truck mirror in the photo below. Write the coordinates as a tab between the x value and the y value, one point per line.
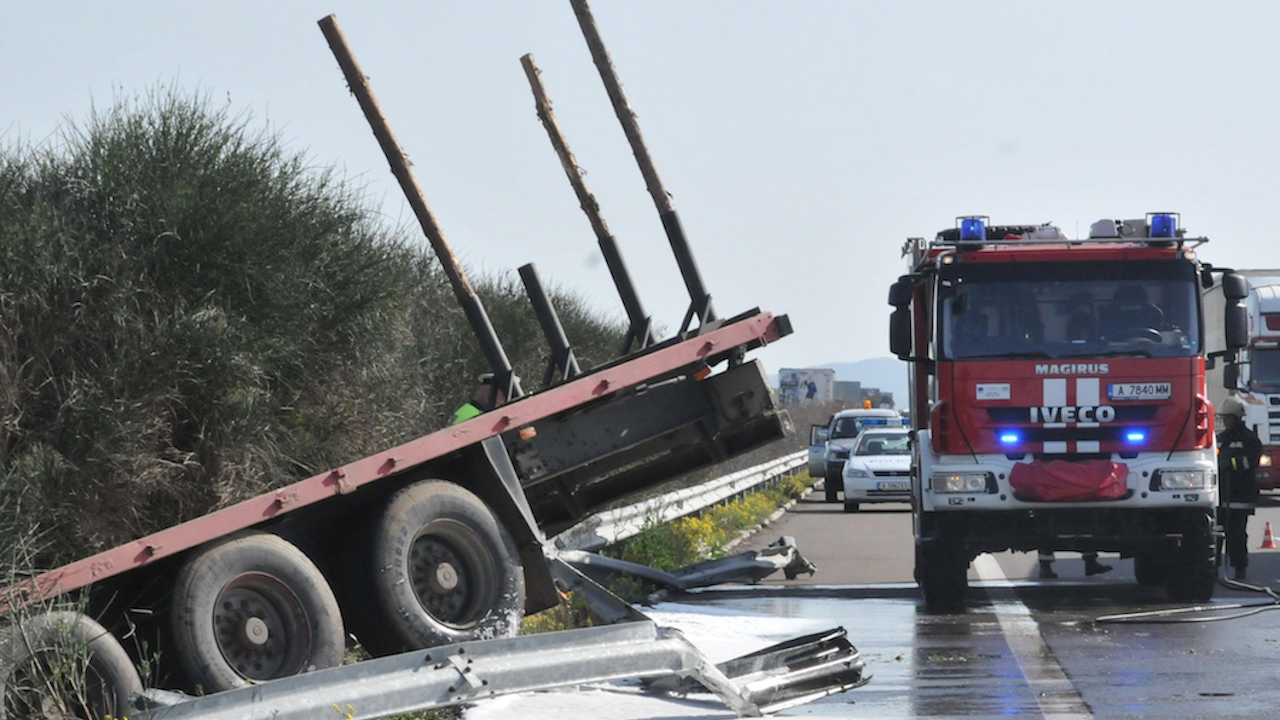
1206	277
900	292
1237	325
900	333
1234	286
1231	376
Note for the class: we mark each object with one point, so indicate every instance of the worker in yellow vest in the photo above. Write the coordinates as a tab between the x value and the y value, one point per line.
486	398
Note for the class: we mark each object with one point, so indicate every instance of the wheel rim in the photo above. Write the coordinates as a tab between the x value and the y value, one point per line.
452	574
261	627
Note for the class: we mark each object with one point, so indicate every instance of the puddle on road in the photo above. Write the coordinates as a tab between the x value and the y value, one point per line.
959	664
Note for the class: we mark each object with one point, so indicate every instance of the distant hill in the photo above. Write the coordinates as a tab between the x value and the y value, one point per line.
886	373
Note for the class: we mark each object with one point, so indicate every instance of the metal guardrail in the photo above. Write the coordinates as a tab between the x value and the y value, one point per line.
782	676
619	524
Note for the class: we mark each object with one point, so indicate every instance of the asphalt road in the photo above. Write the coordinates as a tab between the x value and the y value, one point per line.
1022	646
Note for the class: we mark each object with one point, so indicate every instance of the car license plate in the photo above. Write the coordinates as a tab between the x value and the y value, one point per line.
1140	391
894	485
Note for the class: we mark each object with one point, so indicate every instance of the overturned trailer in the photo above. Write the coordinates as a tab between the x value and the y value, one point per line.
439	542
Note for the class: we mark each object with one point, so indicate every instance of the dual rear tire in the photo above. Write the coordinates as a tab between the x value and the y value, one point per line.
438	568
250	608
444	571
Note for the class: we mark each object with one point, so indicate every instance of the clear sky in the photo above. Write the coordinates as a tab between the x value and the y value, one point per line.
802	142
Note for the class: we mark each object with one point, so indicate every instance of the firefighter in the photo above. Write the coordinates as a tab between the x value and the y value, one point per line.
1238	452
486	398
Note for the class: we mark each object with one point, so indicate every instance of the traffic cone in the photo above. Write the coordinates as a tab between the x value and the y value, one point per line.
1268	542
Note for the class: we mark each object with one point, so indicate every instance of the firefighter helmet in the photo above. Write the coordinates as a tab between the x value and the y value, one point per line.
1232	405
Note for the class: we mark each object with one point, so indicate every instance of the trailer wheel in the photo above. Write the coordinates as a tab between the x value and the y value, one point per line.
942	572
1150	569
1195	560
64	665
446	570
251	608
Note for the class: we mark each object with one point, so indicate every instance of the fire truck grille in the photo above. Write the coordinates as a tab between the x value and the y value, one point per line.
1022	415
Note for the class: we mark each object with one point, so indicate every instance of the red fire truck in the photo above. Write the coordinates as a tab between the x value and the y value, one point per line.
1059	387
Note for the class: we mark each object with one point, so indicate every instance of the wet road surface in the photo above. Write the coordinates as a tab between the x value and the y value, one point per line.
1021	647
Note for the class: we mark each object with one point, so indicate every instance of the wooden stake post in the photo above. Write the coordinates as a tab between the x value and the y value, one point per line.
471	304
701	299
641	334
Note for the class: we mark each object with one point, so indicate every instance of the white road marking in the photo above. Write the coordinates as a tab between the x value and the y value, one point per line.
1058	697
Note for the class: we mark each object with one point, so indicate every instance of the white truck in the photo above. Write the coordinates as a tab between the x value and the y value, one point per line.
1257	379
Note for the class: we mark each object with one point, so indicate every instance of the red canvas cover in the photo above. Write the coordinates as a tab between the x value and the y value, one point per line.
1063	481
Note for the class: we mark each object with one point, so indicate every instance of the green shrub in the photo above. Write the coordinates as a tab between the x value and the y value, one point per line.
191	314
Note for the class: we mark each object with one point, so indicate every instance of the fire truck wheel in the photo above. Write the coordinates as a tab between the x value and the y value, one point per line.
1195	559
942	572
64	665
1150	569
253	607
446	570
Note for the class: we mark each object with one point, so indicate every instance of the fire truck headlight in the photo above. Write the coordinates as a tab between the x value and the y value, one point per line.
1185	479
1264	461
963	482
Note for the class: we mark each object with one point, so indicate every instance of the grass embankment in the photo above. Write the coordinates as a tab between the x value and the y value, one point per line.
191	314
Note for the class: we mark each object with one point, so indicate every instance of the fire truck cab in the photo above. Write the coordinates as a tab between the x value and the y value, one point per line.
1058	391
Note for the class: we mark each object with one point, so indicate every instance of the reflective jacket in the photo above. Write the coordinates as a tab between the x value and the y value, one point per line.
1238	452
466	412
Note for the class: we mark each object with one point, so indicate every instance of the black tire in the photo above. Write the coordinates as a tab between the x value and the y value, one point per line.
832	486
850	507
39	657
943	574
446	571
252	607
1194	576
1151	569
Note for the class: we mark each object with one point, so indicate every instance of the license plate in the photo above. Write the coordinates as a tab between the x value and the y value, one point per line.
894	485
1140	391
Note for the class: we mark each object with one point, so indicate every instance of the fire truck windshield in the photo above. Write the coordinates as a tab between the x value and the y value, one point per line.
1264	369
1063	310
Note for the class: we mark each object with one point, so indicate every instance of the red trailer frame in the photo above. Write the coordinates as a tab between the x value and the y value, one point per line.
715	346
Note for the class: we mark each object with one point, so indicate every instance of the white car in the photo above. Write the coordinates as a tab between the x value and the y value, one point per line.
879	468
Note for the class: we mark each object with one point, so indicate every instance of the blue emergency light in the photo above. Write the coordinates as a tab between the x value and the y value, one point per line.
973	228
875	421
1009	438
1136	436
1164	225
